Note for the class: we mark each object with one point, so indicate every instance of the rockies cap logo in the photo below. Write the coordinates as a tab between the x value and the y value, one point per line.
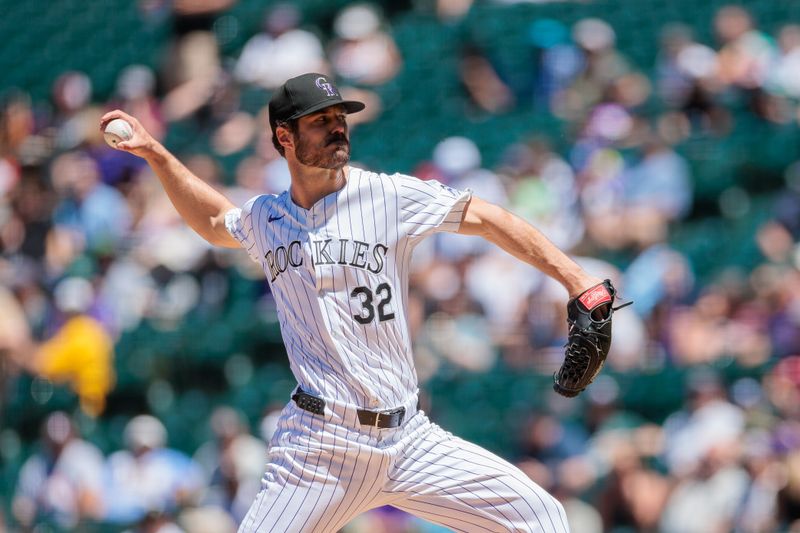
326	86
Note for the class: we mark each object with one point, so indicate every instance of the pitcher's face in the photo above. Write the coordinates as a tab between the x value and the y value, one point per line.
322	139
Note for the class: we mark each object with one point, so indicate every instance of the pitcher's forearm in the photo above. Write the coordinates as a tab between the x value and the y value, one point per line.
523	241
200	205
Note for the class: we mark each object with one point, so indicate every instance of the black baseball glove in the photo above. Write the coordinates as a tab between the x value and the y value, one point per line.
589	338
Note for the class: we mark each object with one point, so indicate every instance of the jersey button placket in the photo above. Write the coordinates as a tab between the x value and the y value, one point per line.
306	235
312	234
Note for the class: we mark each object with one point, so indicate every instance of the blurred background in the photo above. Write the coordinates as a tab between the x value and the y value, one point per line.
141	371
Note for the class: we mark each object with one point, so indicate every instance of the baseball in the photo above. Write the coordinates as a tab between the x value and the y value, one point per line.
116	131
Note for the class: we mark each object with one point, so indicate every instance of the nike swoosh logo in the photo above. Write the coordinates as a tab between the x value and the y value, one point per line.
273	218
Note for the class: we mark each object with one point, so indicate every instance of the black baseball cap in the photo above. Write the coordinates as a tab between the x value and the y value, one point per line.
304	95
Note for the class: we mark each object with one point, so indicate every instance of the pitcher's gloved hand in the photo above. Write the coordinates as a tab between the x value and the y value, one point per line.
589	338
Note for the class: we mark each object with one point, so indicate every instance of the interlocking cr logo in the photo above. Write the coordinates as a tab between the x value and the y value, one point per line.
323	84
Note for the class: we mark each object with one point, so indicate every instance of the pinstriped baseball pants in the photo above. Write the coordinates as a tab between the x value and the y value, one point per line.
324	471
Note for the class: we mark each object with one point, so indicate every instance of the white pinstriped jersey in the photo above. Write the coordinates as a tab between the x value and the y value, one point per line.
339	275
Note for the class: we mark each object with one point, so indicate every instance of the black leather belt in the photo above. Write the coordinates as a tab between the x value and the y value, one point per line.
382	419
377	419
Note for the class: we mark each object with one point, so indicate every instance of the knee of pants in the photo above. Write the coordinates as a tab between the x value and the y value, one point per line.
544	512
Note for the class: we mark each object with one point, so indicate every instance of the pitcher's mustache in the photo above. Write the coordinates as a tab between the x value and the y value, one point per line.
336	138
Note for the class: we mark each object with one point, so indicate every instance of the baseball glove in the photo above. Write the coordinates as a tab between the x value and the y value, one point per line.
588	339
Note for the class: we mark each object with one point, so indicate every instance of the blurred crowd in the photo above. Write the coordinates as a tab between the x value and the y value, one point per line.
93	252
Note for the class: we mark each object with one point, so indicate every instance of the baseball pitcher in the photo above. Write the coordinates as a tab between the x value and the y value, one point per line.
335	249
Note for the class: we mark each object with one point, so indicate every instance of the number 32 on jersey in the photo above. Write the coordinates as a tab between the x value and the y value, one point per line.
375	304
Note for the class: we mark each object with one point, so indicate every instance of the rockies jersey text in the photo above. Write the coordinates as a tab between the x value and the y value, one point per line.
339	275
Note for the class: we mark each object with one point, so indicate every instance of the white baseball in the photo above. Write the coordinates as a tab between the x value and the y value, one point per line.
116	131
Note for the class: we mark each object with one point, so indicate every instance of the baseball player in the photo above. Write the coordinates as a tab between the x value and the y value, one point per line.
335	249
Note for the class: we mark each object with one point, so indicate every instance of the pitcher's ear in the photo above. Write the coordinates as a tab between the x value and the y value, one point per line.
284	136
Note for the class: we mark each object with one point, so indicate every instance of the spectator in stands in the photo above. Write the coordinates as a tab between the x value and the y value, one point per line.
15	334
557	60
782	387
233	463
457	161
688	80
599	171
542	189
772	308
758	510
94	212
135	90
452	11
660	182
789	494
29	218
708	424
363	51
193	67
746	58
704	331
672	81
602	66
147	477
208	519
632	494
281	50
15	331
71	93
710	498
486	90
156	522
657	192
550	440
81	351
574	476
61	482
746	54
16	129
785	76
